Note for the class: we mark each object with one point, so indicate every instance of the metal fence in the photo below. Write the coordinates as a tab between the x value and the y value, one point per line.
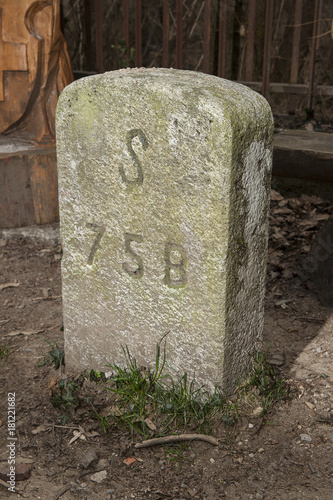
300	21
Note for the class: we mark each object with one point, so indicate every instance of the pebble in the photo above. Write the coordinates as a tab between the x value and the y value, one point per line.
99	477
330	437
257	412
306	437
89	459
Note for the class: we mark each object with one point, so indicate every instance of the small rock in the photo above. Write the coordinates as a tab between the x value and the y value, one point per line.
99	477
251	426
330	437
261	450
89	459
306	438
257	412
251	455
212	461
22	471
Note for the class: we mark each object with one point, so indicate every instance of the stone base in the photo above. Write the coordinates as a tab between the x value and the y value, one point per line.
28	187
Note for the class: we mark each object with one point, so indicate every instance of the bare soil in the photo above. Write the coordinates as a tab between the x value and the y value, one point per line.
286	455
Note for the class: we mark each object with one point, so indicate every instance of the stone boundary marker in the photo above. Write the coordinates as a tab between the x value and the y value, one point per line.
164	182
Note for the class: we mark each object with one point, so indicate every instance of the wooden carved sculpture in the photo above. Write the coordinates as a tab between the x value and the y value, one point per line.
34	68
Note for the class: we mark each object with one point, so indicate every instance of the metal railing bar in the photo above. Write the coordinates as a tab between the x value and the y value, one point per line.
295	52
250	39
99	36
138	33
206	41
126	33
267	47
179	34
314	47
166	33
222	39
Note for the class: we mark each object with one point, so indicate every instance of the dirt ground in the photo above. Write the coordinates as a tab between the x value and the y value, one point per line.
288	455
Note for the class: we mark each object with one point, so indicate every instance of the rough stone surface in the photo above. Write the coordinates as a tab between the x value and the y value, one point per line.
164	180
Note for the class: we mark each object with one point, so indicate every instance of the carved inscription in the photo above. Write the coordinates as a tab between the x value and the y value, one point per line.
175	257
138	272
138	180
99	230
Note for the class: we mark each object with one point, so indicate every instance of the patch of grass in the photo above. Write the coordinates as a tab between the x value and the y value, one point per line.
176	453
148	402
4	353
262	384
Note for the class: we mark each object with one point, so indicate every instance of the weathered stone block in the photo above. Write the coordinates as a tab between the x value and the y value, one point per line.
164	179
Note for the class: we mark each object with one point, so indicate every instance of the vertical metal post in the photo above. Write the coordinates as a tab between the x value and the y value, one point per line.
99	36
166	31
222	38
138	34
295	52
250	40
267	48
179	34
87	30
126	29
314	48
206	42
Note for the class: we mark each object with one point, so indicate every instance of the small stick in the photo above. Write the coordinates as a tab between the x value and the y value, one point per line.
176	439
7	485
63	491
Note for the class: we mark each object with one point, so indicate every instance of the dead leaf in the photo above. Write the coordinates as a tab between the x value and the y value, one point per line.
41	428
129	460
92	434
283	210
150	424
315	200
8	285
282	303
275	196
308	223
23	332
52	385
287	274
77	435
322	217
